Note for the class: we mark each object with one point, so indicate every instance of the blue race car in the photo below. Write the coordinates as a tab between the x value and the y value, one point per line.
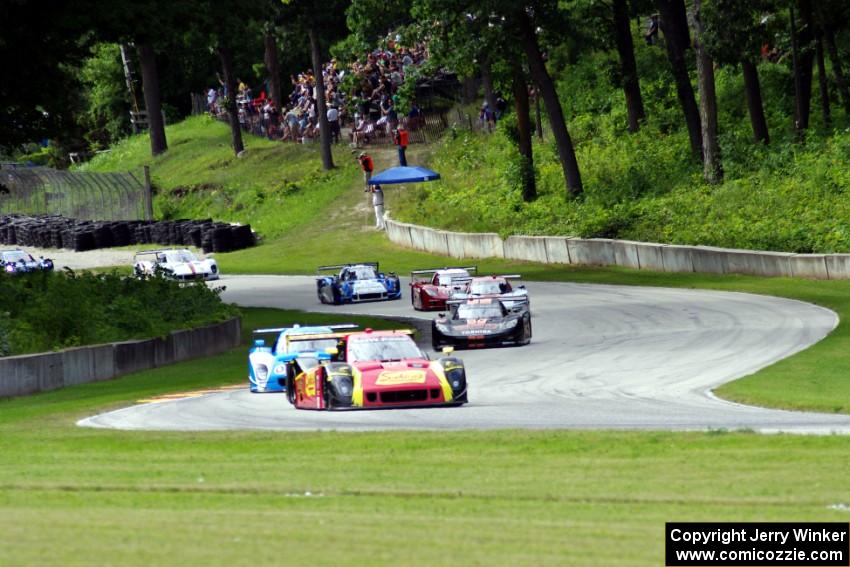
19	262
355	283
267	366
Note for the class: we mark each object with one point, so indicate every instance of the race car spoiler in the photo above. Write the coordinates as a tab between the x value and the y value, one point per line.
341	266
415	273
515	299
276	330
318	336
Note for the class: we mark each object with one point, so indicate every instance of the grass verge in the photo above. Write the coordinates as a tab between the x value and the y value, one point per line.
76	496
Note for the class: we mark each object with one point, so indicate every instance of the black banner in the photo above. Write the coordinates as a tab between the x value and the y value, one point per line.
758	544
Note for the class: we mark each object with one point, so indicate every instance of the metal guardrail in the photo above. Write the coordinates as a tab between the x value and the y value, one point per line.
74	194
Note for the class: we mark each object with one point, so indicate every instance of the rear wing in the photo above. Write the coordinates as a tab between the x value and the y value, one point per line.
321	269
276	330
424	275
518	301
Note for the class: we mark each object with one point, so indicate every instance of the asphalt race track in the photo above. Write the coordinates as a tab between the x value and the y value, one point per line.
602	357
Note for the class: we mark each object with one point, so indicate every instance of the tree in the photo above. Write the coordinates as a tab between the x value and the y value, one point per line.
628	67
153	100
469	36
40	50
829	29
674	24
525	24
524	143
712	168
272	63
322	22
733	34
802	39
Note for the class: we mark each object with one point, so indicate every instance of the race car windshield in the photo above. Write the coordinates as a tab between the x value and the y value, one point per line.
361	273
382	348
319	345
469	311
17	257
180	257
448	279
489	288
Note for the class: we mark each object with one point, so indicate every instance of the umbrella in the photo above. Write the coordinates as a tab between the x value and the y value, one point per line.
405	174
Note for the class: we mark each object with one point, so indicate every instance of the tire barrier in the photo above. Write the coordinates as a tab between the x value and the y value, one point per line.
623	253
54	231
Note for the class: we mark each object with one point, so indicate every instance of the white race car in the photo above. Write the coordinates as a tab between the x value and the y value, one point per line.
177	263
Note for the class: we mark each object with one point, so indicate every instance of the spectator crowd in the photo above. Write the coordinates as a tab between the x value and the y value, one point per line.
363	97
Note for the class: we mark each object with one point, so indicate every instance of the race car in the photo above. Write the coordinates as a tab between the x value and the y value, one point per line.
493	287
355	283
267	366
176	263
375	369
429	289
19	262
478	323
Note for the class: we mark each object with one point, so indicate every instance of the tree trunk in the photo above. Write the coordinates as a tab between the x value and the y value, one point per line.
801	46
232	112
523	119
546	87
628	67
273	68
752	89
487	83
835	59
321	112
824	88
153	99
538	118
674	24
712	168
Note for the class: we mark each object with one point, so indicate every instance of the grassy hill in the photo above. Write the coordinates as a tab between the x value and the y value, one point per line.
788	196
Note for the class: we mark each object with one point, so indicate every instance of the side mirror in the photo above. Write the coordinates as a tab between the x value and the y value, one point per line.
520	287
448	349
441	315
259	343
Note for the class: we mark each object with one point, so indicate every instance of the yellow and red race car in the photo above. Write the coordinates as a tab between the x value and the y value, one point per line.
374	369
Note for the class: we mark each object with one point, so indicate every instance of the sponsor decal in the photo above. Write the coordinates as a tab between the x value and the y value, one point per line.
396	377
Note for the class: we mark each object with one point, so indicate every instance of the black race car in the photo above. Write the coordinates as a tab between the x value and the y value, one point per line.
479	323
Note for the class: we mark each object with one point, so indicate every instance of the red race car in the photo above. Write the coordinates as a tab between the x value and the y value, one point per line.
429	289
373	369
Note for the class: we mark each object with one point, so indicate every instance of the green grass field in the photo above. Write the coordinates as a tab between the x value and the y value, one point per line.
472	498
76	496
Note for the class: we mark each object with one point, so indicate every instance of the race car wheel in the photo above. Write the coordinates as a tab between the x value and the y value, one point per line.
526	332
416	299
290	384
337	296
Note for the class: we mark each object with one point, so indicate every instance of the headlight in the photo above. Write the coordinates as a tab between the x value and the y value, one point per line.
280	369
442	328
262	371
512	323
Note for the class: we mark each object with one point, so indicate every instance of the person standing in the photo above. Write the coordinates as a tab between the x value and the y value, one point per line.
378	203
400	138
333	121
368	166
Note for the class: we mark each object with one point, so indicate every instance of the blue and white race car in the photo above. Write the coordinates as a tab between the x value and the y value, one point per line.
355	283
267	366
19	262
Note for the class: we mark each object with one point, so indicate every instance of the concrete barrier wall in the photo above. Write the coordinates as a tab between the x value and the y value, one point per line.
607	252
32	373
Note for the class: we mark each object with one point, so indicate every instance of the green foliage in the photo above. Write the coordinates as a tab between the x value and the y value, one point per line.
106	102
645	186
47	311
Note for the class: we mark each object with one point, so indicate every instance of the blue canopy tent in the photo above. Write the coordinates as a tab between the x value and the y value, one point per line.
405	174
